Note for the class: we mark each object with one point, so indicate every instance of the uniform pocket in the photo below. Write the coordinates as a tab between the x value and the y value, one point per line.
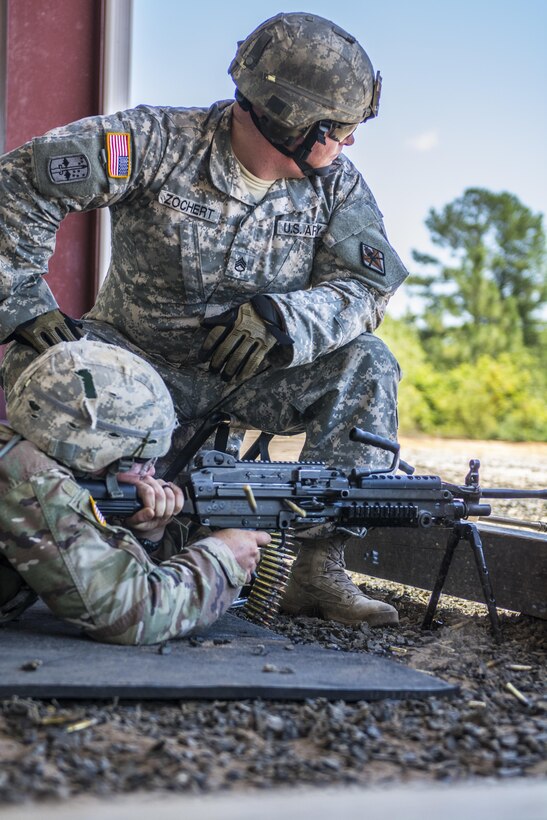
190	259
296	263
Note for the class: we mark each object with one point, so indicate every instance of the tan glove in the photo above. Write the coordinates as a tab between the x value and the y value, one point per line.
240	339
47	330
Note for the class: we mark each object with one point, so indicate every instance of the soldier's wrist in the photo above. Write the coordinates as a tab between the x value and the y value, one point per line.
150	545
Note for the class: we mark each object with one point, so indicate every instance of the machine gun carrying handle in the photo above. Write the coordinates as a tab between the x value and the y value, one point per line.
356	434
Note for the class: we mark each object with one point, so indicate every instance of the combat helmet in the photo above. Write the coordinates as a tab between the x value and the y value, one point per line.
302	75
89	404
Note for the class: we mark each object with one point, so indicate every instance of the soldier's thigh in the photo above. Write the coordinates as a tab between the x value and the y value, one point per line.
283	401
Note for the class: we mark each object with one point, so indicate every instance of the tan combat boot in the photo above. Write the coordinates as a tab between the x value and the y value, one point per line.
319	586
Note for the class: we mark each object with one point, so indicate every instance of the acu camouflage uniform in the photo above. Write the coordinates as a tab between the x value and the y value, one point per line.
96	575
188	242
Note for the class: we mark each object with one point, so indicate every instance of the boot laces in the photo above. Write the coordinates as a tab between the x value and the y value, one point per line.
335	566
334	561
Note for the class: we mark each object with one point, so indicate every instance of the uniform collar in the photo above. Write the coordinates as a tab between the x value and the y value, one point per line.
226	176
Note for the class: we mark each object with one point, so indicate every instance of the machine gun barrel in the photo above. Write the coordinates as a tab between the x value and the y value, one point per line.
495	492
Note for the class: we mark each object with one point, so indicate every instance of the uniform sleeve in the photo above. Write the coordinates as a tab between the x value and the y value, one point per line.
355	272
99	578
92	163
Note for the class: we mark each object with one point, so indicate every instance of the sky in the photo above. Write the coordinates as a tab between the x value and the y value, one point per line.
464	101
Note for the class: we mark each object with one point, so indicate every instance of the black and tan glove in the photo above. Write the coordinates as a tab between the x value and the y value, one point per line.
241	339
47	330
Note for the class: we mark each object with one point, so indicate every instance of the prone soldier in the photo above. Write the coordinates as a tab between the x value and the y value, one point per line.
88	408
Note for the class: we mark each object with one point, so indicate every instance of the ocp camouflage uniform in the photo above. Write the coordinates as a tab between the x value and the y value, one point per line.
95	575
188	242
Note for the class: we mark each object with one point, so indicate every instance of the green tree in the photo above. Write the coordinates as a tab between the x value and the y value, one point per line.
485	296
416	413
495	397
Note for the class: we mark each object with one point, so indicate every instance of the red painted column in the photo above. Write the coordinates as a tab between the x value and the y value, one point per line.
54	76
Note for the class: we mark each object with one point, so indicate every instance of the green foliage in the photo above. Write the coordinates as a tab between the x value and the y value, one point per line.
475	358
414	406
503	397
486	295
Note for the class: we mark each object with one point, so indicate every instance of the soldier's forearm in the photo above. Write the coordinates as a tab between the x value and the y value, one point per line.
26	302
329	316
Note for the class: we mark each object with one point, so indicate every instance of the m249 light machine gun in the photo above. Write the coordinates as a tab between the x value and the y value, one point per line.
288	497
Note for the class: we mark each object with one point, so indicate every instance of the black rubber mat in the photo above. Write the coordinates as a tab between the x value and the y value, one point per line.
43	657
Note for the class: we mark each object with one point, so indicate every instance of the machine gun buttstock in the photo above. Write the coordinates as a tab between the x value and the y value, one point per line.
123	507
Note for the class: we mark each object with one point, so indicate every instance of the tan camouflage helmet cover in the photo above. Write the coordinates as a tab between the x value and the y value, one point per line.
300	69
87	404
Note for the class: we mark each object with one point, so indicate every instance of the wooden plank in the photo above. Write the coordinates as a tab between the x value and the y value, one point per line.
517	562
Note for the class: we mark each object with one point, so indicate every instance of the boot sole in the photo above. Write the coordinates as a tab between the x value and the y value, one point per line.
375	619
380	619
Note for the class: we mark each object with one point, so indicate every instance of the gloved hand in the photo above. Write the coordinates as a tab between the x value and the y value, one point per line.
47	330
241	338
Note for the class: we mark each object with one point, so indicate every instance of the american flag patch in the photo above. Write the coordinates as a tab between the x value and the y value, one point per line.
118	153
96	512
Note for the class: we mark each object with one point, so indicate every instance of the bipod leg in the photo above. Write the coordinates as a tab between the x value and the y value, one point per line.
453	541
472	536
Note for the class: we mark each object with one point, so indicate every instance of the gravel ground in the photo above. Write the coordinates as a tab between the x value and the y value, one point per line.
495	729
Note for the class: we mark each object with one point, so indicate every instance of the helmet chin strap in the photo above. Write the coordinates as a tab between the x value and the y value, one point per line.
300	154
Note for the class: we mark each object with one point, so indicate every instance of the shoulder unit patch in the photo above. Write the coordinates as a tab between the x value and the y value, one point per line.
373	259
118	151
68	168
